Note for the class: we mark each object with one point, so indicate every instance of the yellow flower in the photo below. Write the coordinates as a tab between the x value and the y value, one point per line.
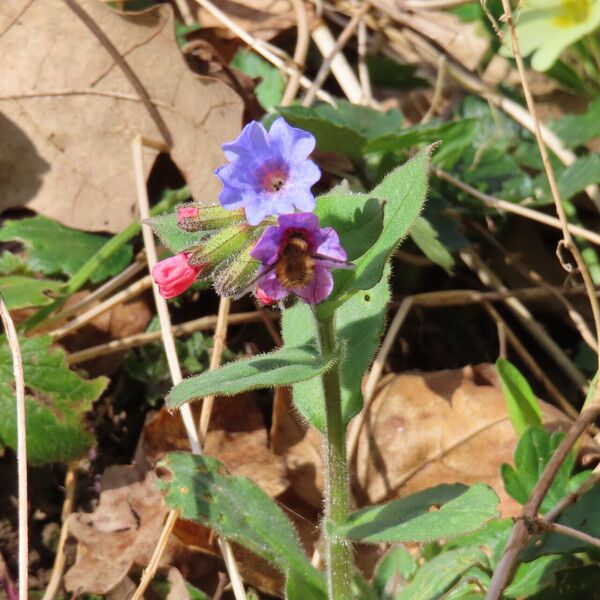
546	27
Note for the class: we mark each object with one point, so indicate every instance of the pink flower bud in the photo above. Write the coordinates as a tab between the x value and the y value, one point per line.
184	212
264	298
174	275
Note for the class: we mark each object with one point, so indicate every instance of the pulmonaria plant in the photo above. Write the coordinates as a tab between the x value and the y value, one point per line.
264	237
269	174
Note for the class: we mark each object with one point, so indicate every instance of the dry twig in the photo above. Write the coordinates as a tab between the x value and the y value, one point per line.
58	567
335	61
175	370
302	44
15	351
567	242
520	533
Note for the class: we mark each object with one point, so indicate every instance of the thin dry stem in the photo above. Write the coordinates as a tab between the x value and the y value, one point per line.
363	69
15	351
259	47
568	242
568	531
104	290
187	328
59	560
215	362
520	534
528	359
431	54
517	209
438	90
375	374
175	370
489	278
135	289
185	12
300	52
335	61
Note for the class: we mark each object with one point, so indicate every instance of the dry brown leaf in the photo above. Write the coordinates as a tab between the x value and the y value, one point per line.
237	437
422	429
70	115
121	533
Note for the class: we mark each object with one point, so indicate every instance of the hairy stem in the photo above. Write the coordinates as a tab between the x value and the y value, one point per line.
338	550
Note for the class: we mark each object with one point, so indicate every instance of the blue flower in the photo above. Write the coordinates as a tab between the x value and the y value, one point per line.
269	173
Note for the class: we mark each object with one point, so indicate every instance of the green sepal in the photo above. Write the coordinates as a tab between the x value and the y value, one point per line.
210	218
224	246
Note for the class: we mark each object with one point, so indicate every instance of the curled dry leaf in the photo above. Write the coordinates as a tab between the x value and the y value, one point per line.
422	429
120	534
237	437
71	122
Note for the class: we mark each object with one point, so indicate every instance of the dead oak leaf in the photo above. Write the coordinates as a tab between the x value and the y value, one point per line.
421	429
68	113
121	533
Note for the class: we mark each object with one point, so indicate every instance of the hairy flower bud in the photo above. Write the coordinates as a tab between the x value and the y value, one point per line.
174	275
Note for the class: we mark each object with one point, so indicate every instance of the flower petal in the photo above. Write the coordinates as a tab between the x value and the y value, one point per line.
319	288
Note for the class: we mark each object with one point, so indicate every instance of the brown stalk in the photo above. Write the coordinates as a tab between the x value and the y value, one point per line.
520	533
567	242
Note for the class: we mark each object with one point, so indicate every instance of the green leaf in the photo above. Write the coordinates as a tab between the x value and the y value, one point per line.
13	264
582	583
359	323
357	218
438	574
582	516
425	236
576	130
523	408
409	519
19	291
202	490
270	90
386	72
56	404
577	176
282	367
470	585
55	250
531	577
396	561
345	129
454	135
491	538
534	449
404	191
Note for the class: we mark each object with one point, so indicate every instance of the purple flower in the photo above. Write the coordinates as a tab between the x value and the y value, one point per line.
269	173
297	256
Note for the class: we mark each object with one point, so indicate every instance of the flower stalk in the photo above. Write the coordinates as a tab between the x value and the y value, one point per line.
338	550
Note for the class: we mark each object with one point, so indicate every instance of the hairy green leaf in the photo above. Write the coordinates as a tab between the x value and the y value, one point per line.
359	324
56	404
575	130
202	490
282	367
54	249
409	519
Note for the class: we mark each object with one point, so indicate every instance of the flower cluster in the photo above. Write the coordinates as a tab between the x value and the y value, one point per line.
268	174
